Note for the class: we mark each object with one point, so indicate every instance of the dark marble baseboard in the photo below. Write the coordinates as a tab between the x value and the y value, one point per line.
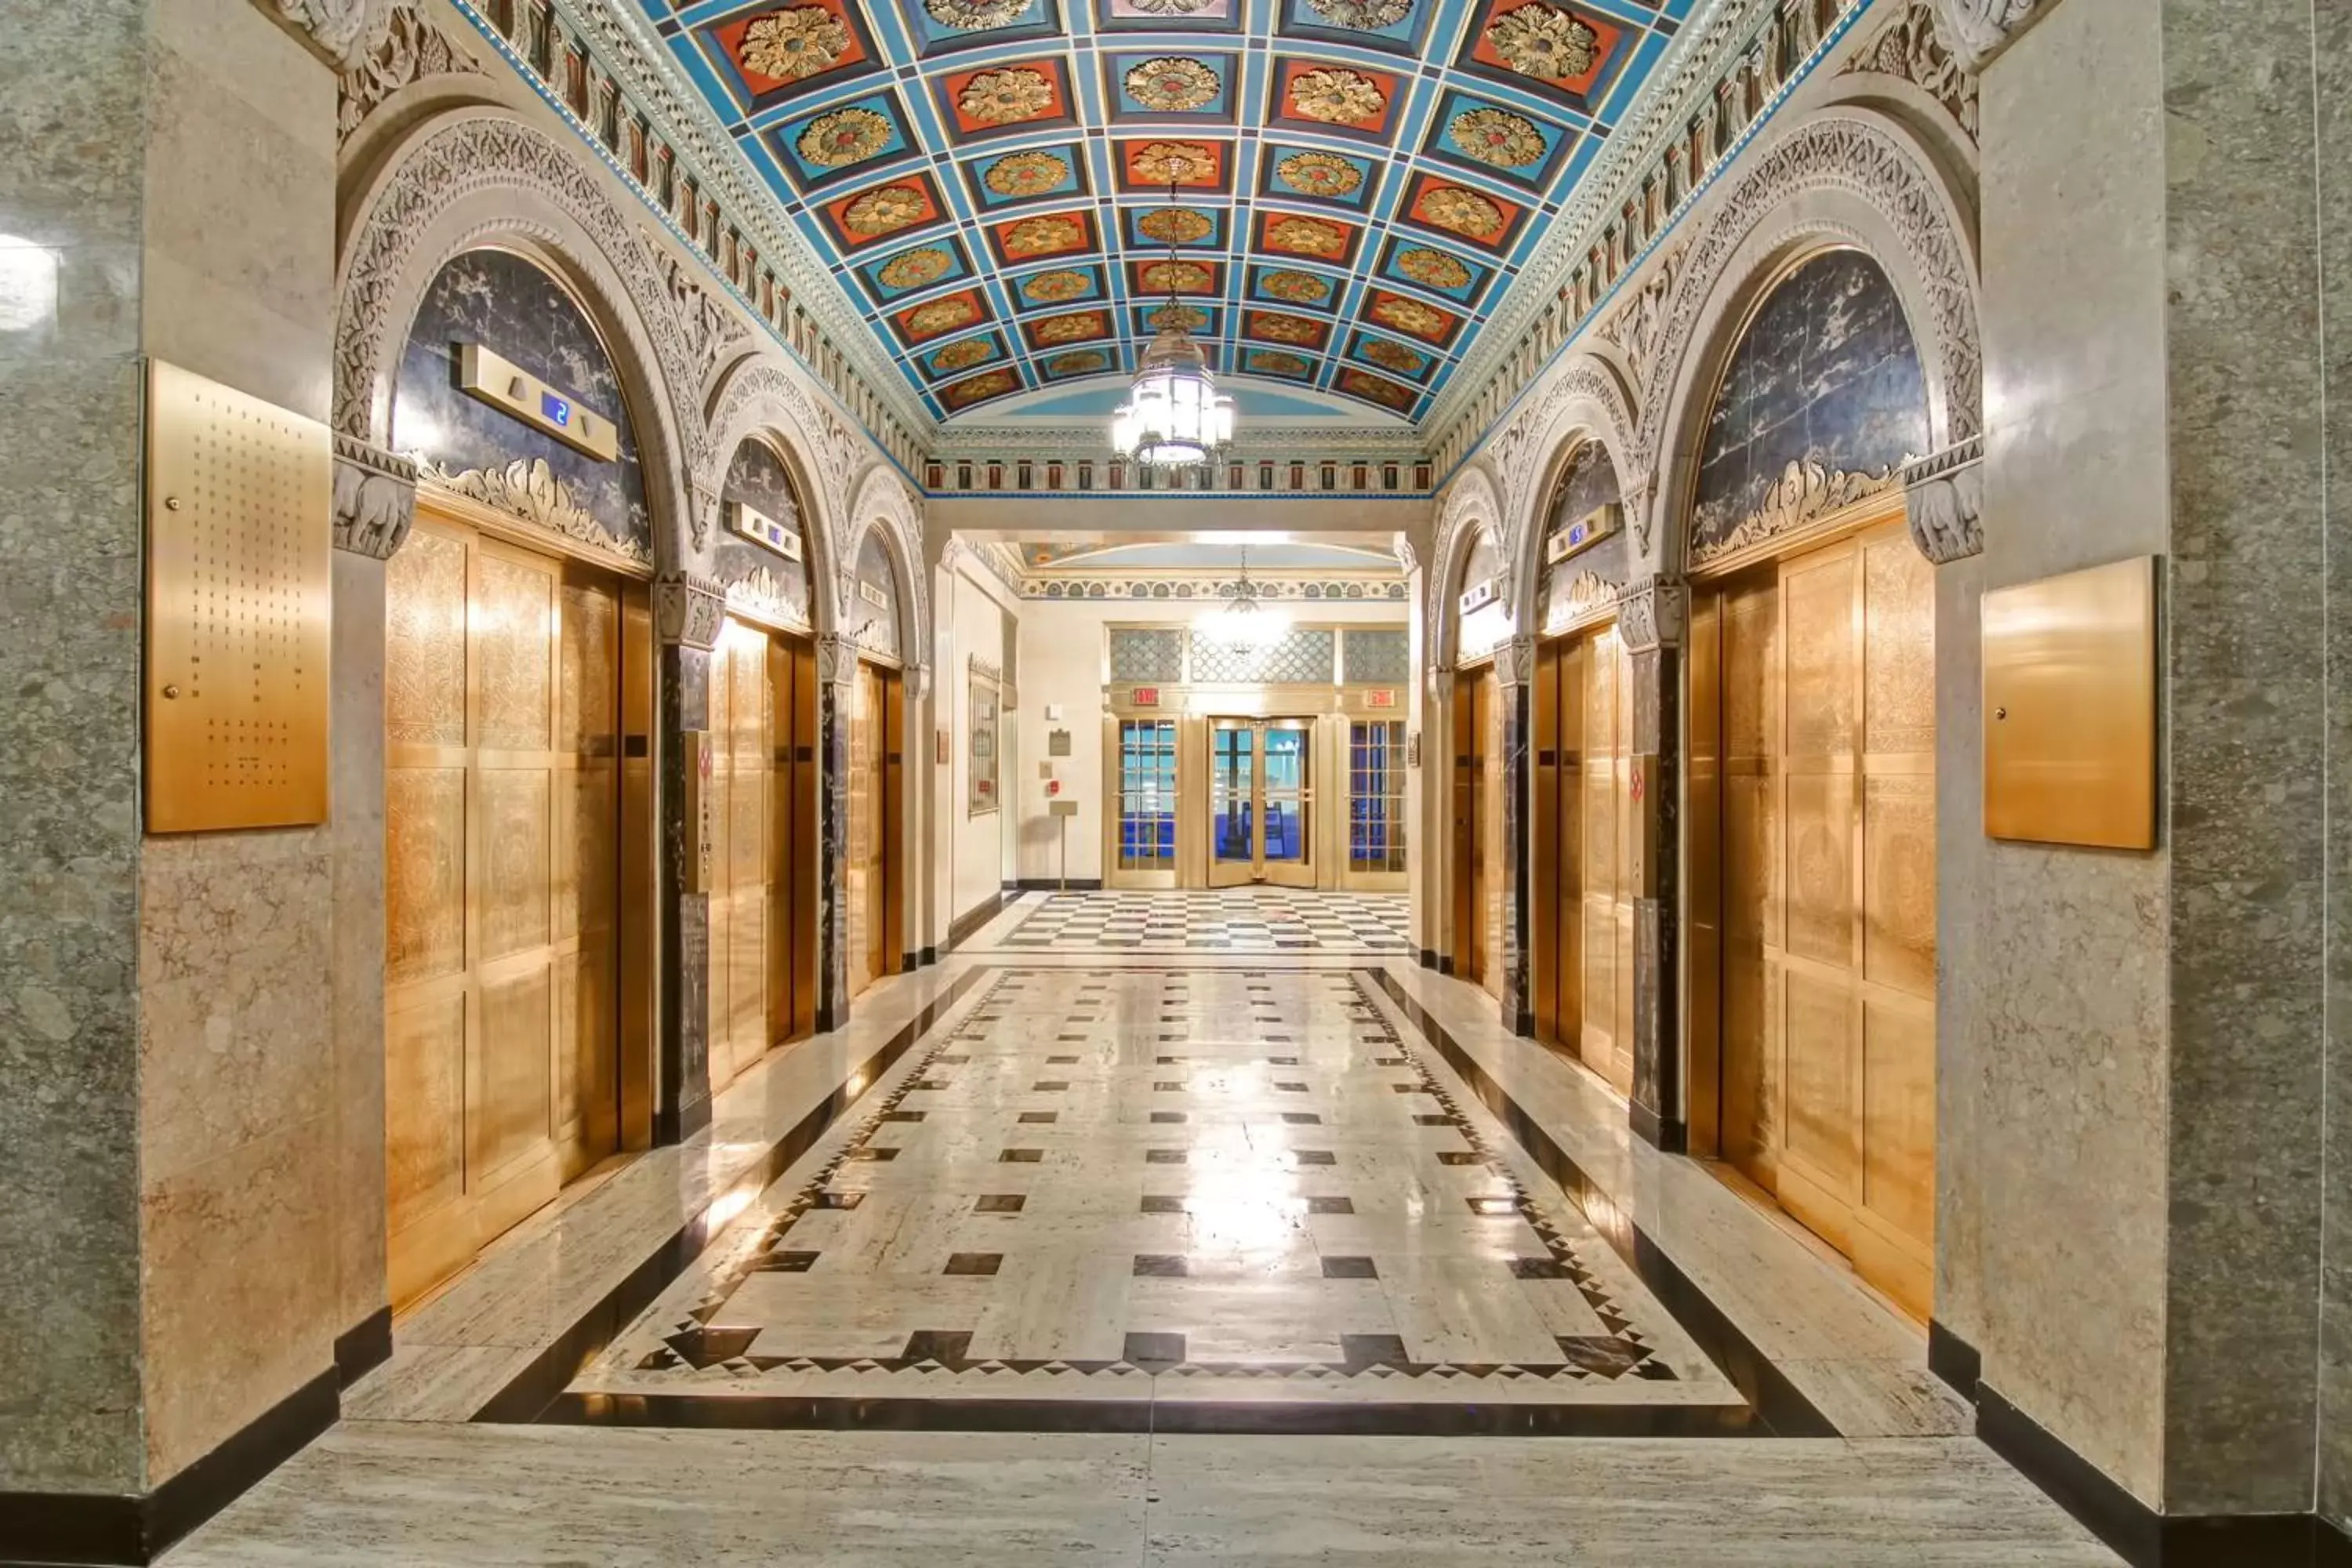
676	1123
961	929
1056	885
930	955
50	1528
1666	1134
2136	1532
364	1347
1954	1360
1524	1026
1428	958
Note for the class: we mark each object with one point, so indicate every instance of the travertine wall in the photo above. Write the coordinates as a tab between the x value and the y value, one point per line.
2147	1050
2332	81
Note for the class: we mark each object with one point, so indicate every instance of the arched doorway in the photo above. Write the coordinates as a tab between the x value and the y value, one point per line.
517	703
1582	812
764	865
1478	880
876	721
1810	780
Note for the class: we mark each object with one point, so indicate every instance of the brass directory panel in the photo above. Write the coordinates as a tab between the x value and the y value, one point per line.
239	583
2069	708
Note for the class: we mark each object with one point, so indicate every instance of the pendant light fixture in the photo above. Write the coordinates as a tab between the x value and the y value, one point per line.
1244	622
1173	414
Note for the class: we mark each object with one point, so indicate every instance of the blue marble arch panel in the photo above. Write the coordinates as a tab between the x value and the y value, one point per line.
510	306
758	478
874	609
1588	482
1826	374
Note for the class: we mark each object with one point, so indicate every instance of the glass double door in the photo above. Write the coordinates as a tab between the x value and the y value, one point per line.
1261	802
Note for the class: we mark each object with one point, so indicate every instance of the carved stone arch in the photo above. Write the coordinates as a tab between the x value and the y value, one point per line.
1848	177
480	177
1472	502
1587	402
881	502
759	398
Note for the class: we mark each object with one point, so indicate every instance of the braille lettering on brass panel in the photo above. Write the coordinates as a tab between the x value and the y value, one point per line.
2069	708
238	587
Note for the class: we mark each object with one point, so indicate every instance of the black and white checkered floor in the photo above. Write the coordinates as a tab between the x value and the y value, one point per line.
1222	919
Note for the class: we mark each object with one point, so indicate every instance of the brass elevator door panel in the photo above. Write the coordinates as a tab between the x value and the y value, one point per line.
873	822
1477	828
750	917
1826	730
501	855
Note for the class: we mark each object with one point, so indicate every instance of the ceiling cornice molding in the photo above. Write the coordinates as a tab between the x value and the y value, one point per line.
1700	54
637	61
1093	441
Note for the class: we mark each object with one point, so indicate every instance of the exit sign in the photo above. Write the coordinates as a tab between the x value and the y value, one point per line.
1386	698
1144	696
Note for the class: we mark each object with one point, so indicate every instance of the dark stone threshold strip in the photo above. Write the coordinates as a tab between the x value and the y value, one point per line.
1782	1407
538	1386
1403	1418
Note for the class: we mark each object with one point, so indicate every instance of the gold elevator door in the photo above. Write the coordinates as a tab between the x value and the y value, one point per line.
502	699
764	859
875	879
1827	855
1581	903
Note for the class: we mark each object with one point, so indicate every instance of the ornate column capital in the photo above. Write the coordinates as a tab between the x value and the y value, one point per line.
836	661
690	610
704	505
1977	30
1515	661
1654	612
341	32
1943	501
374	497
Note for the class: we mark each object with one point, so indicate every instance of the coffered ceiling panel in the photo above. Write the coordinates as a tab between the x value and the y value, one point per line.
1334	193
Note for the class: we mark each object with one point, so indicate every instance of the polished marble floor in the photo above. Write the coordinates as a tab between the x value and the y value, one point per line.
1214	920
1086	1255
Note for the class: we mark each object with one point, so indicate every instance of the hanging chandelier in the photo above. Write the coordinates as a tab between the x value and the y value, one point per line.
1245	621
1173	414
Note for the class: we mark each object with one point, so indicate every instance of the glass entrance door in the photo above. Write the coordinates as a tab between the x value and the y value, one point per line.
1261	802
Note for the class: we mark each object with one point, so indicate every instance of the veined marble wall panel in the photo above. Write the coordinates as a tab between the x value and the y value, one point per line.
2245	606
357	846
752	573
2333	96
2067	993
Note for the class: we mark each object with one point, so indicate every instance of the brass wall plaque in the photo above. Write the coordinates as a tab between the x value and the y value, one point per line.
2069	708
239	590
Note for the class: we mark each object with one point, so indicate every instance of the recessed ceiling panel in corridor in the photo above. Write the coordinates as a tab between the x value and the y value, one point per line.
1356	181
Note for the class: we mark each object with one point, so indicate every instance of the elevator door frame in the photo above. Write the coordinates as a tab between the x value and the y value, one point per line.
790	849
1902	1263
1564	850
1261	870
1476	868
886	920
432	1245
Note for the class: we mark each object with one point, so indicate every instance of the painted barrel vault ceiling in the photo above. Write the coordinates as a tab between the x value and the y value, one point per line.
1358	182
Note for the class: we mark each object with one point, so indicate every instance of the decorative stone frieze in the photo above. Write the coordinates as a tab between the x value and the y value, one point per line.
1943	501
1654	613
411	49
343	32
836	661
1515	661
1977	30
1911	46
690	610
374	497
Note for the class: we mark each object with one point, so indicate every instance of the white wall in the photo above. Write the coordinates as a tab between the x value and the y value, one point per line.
1063	664
974	617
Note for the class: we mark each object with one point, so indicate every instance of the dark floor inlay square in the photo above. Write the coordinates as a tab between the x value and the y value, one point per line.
1460	1157
1154	1203
1598	1353
1433	1120
1314	1157
1153	1351
1537	1268
1493	1205
902	1116
972	1262
1020	1156
1330	1206
1061	1061
1164	1156
1350	1268
1160	1266
786	1263
1168	1086
1040	1116
931	1083
1372	1350
873	1154
1408	1089
836	1200
1000	1203
1291	1088
938	1344
1051	1085
1388	1061
1302	1119
1167	1118
1282	1061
